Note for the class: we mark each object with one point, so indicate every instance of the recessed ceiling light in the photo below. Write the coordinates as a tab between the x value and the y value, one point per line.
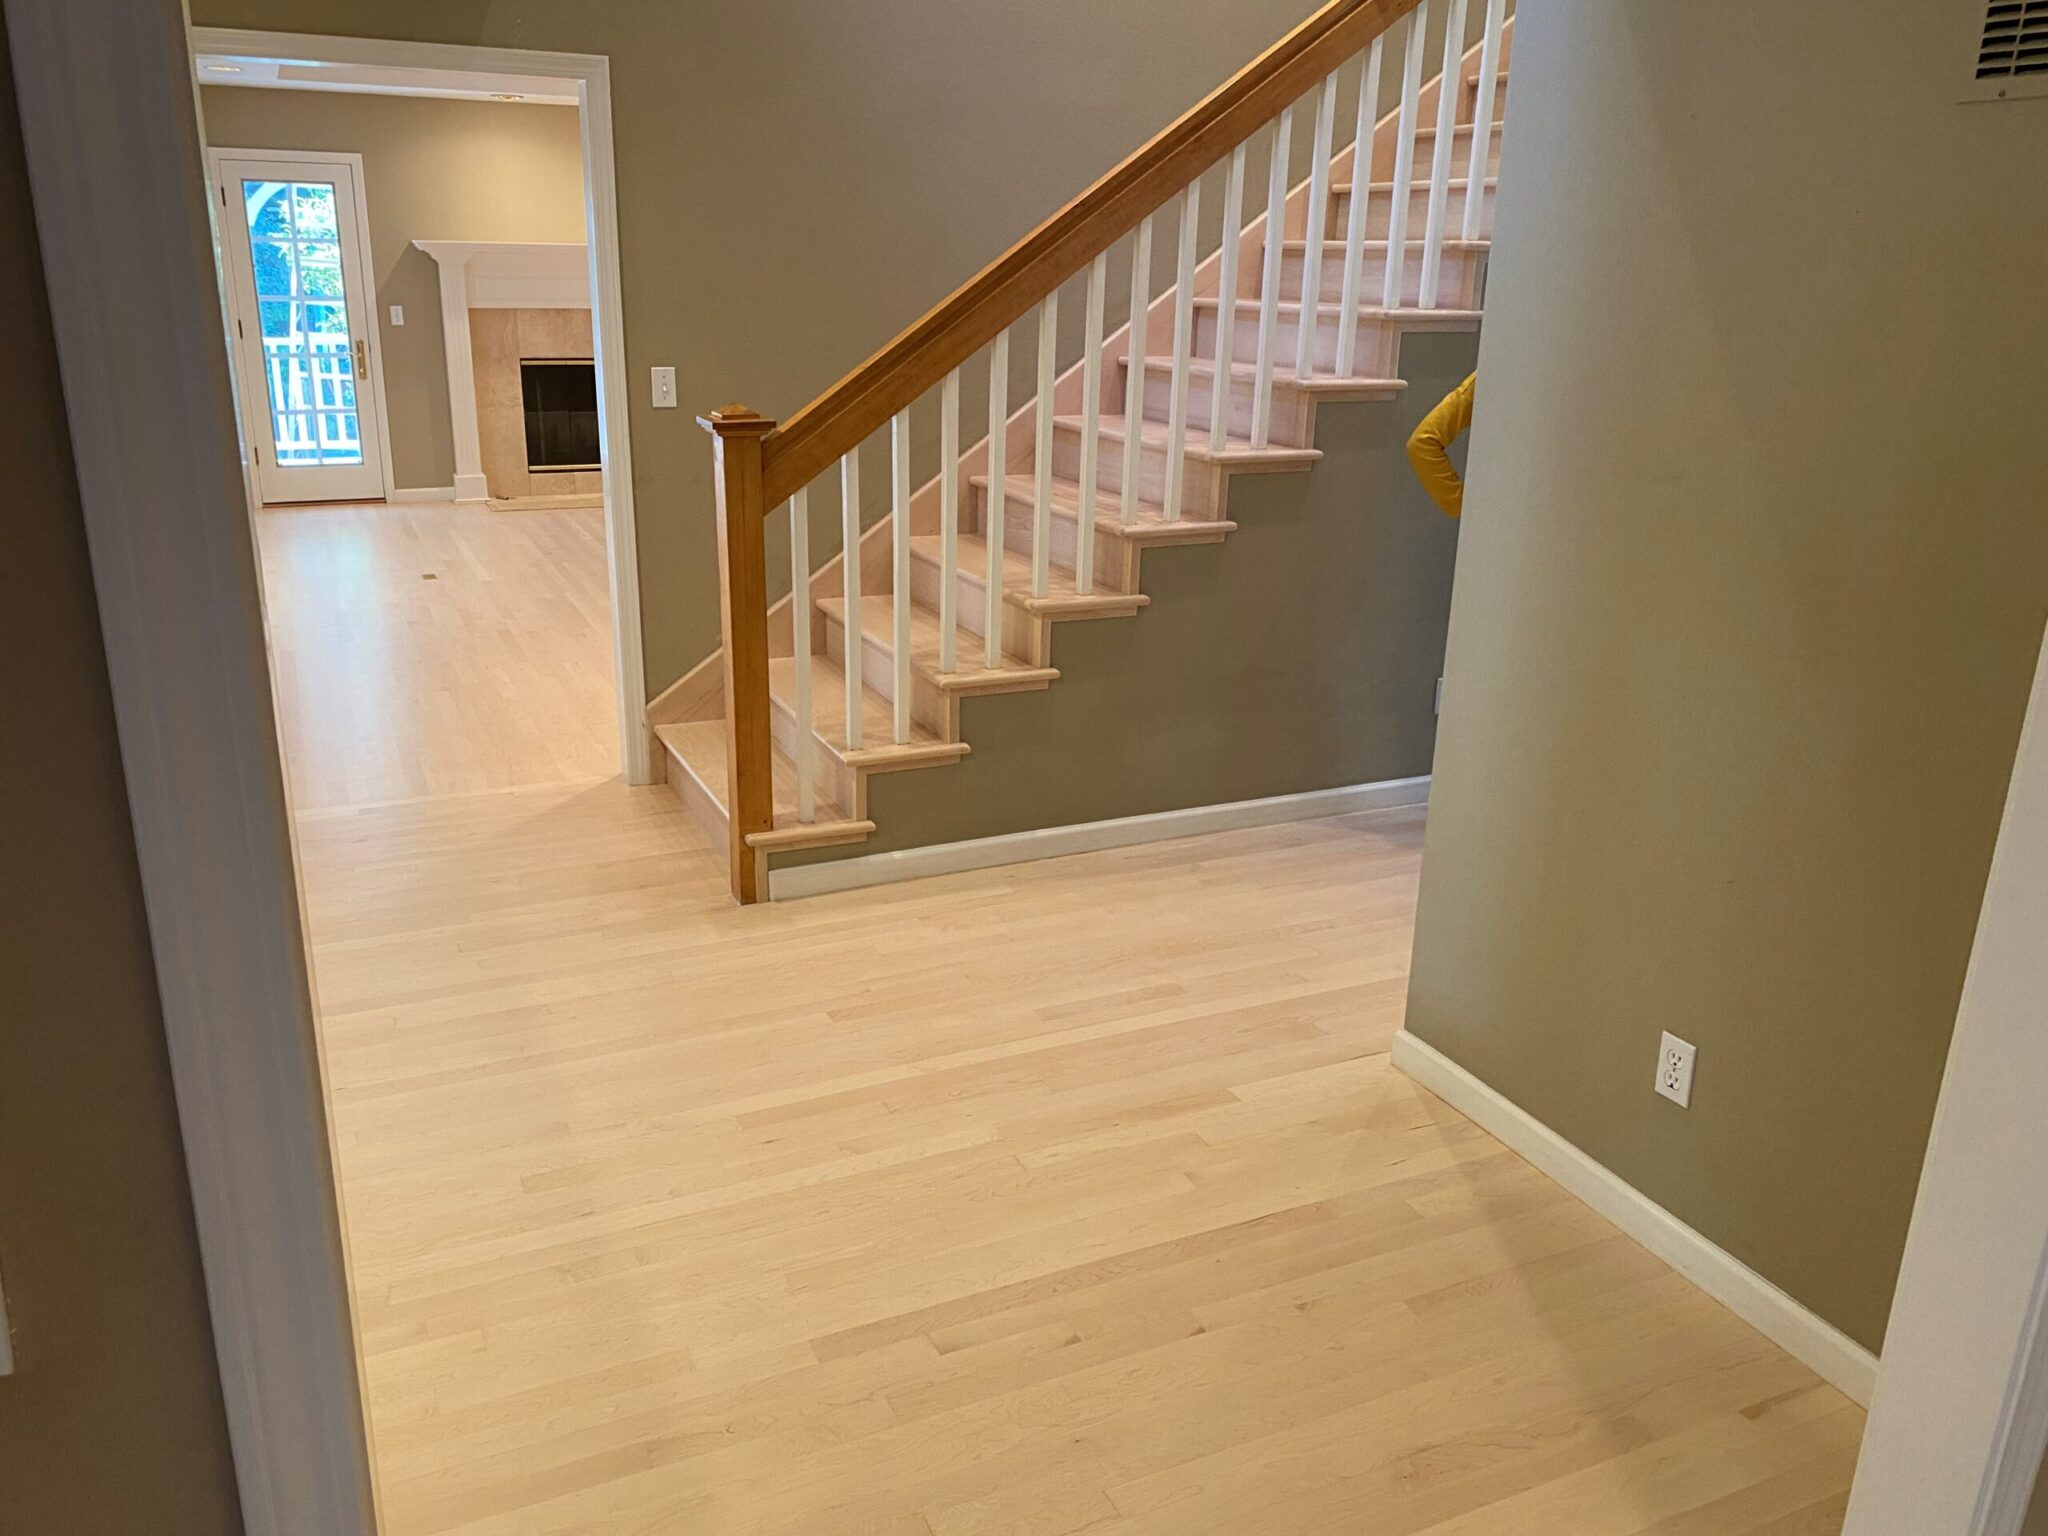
506	96
222	69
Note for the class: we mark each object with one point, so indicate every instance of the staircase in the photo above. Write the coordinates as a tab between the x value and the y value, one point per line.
957	592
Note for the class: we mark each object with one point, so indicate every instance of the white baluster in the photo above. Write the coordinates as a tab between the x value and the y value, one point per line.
1269	280
849	560
949	520
1361	202
1091	427
1404	156
899	506
800	628
1223	394
1041	472
1134	382
1440	163
998	498
1183	349
1318	225
1482	118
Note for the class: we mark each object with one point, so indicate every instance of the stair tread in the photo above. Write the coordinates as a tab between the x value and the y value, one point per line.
1421	182
1150	523
1335	243
700	745
1404	312
972	559
1237	450
828	712
1285	376
878	622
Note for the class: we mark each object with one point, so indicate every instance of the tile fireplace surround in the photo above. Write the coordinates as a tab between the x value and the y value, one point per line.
502	302
500	339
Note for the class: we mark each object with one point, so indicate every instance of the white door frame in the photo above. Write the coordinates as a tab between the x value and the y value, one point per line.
122	204
255	401
1959	1420
434	67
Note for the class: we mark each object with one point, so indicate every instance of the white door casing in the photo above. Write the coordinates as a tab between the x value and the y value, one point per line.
295	244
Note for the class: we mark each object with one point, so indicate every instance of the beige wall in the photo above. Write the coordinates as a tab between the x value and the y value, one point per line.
799	179
1300	654
112	1422
1752	583
433	170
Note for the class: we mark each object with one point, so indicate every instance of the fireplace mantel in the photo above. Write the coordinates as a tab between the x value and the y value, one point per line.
494	274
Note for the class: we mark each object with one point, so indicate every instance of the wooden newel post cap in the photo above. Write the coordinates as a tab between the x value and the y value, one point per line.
736	421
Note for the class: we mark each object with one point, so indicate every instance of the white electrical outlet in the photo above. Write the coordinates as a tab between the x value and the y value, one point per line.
1674	1070
664	389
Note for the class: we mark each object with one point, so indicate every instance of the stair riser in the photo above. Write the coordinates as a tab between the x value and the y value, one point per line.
704	809
1021	633
928	705
1377	212
1201	488
1290	406
1112	554
1459	288
1425	153
1468	101
834	780
1377	340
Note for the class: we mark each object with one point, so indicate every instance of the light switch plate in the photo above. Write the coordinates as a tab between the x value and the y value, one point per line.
664	389
398	314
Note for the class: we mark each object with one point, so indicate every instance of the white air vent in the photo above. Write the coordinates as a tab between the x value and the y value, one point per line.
2011	51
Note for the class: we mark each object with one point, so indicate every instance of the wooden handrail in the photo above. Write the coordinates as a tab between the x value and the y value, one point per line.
860	404
758	467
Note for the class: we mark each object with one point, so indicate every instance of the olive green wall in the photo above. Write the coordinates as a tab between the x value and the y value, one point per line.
1752	584
1300	654
800	179
432	170
112	1421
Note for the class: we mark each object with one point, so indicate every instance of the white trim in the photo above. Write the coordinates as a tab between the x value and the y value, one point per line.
431	69
494	274
1957	1431
1835	1356
1088	837
255	400
422	493
107	111
293	74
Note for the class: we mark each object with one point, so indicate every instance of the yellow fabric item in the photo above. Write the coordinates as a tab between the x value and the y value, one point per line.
1429	447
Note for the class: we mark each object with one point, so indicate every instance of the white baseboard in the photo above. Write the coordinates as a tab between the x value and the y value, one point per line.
422	493
471	488
1835	1356
1088	837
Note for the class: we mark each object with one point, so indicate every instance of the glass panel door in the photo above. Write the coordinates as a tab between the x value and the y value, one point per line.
302	332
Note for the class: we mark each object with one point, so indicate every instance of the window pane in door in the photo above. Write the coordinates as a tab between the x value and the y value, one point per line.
309	361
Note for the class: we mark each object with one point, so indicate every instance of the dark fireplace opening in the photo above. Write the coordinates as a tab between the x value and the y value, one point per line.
561	412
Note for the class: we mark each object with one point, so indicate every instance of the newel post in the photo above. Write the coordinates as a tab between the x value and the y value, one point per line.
736	437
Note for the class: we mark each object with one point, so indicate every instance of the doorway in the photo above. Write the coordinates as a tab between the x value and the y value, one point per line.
298	270
550	293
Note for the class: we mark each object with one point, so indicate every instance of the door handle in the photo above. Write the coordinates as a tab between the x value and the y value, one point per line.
362	358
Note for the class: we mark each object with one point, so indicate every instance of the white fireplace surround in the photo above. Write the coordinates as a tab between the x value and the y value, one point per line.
494	274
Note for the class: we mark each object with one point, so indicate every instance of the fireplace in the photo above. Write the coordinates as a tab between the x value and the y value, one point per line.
560	399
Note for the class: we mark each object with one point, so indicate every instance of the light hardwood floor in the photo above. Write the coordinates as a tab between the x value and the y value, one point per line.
433	649
1076	1197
